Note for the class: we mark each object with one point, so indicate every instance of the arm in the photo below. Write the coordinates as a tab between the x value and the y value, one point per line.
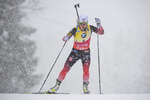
68	36
100	28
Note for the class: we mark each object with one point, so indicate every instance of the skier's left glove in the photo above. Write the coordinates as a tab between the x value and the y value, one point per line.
66	38
98	22
100	28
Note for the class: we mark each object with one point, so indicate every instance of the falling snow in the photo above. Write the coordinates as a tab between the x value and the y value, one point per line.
17	61
124	49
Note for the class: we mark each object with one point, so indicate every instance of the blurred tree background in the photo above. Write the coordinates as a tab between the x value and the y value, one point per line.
17	60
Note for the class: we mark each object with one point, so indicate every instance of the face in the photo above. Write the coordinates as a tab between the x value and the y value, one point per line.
82	25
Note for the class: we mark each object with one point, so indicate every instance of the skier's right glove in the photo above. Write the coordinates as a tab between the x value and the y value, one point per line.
66	38
98	22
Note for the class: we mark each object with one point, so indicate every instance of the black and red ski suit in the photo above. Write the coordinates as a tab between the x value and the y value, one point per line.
81	50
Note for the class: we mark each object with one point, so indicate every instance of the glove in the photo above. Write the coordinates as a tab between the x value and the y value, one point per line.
66	38
98	22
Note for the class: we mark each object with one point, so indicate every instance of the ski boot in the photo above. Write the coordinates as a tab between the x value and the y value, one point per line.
85	88
55	88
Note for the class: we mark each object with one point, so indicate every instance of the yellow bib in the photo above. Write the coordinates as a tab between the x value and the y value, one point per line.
82	36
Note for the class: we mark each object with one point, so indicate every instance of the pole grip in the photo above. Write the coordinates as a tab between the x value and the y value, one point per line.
77	5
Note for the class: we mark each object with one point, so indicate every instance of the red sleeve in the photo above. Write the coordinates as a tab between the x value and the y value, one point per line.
100	30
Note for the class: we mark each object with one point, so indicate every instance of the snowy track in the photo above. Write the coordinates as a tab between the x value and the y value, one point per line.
75	97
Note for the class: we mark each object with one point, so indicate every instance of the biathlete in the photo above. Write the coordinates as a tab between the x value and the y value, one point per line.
81	50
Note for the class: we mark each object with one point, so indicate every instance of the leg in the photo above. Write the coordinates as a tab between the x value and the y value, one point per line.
69	63
64	71
86	64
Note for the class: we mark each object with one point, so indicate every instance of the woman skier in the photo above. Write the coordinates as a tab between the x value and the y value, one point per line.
81	50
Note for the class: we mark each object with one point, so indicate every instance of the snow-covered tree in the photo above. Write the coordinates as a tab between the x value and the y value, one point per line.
17	60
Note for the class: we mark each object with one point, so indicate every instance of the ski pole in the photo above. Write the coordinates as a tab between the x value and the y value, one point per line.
98	59
52	67
77	5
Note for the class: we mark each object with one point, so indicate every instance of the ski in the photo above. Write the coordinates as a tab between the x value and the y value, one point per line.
45	92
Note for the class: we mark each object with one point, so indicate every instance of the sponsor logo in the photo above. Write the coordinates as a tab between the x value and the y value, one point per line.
87	51
83	19
83	35
70	59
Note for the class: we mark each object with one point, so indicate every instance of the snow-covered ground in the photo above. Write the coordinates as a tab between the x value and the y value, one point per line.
75	97
124	48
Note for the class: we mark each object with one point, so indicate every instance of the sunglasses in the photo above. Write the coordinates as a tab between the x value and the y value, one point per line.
83	23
